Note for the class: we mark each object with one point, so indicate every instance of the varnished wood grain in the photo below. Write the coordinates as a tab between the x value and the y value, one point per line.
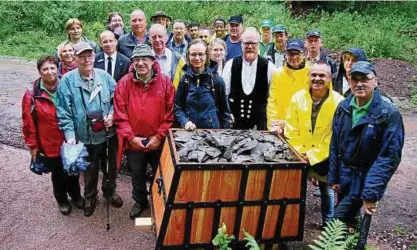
290	223
202	225
227	216
167	166
286	184
176	226
271	218
158	205
250	217
255	185
208	186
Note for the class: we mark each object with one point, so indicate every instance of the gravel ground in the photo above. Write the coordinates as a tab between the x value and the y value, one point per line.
29	218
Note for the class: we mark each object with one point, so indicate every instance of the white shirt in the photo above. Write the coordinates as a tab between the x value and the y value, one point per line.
165	62
248	75
346	86
113	62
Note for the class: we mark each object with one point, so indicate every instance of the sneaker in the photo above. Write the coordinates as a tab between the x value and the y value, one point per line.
137	210
65	208
79	202
90	206
115	200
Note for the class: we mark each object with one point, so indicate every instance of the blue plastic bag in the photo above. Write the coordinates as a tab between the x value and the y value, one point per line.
74	158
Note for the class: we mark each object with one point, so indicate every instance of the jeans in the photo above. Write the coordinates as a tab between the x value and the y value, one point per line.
61	182
137	162
327	202
347	209
97	158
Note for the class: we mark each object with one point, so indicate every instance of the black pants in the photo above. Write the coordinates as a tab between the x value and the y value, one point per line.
97	158
63	184
137	162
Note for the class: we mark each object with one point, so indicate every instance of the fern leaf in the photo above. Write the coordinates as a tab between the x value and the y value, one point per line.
252	244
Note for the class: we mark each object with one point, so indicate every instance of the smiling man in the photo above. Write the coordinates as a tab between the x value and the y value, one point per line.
85	114
171	62
288	80
368	136
138	35
144	111
247	79
234	38
114	63
308	129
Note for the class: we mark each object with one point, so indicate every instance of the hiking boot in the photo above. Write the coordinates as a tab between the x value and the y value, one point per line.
90	206
65	208
115	200
79	202
137	210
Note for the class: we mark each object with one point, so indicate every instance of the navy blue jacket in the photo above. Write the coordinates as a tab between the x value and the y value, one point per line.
127	43
201	99
363	158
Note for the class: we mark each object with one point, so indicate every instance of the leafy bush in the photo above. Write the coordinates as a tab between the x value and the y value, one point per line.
383	29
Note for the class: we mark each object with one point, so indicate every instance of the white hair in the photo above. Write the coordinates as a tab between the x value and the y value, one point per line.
137	12
250	31
157	26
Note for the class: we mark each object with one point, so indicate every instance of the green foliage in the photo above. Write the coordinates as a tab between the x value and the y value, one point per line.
383	29
399	230
334	237
222	239
252	244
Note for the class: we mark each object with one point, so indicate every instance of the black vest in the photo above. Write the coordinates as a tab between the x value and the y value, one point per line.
249	110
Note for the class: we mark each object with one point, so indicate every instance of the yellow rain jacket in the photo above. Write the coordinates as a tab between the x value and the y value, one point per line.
178	72
285	82
298	127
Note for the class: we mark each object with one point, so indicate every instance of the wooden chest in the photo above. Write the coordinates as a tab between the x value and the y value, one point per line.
190	201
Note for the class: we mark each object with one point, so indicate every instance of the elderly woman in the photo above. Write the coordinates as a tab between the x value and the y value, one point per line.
217	50
67	59
115	24
201	101
43	136
74	29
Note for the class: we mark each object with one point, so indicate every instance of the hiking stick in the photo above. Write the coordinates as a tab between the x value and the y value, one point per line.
365	224
107	178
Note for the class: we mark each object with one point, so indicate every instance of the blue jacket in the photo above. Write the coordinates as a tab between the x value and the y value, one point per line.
201	99
363	158
71	112
127	43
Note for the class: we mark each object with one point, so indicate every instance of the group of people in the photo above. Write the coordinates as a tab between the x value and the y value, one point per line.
122	96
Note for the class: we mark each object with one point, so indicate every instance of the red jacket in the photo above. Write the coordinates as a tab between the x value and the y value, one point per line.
47	137
141	110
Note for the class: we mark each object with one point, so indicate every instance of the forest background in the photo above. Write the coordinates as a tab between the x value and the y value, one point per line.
384	29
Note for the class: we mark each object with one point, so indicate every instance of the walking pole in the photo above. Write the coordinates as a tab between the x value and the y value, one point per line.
365	224
107	178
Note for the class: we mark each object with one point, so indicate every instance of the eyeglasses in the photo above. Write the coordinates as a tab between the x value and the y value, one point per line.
293	54
200	55
361	78
247	44
143	59
202	37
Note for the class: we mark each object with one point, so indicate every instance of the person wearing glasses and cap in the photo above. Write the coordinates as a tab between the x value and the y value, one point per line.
276	53
266	42
143	112
315	52
234	38
289	79
366	144
247	79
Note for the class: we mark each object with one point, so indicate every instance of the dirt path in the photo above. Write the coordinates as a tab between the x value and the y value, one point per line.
29	218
